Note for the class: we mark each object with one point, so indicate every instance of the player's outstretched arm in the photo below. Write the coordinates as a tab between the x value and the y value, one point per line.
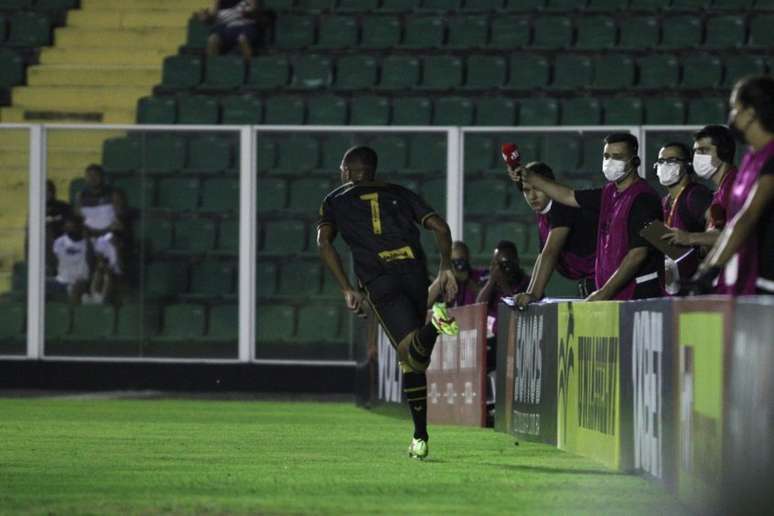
326	233
556	191
544	266
444	242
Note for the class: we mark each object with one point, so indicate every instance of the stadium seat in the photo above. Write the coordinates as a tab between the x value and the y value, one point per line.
646	35
441	5
267	153
29	29
369	110
564	5
316	5
298	154
689	5
581	111
552	32
228	236
318	323
572	72
55	5
140	192
223	73
294	32
664	111
163	153
528	72
702	71
157	110
163	280
209	154
307	194
433	191
538	111
327	110
494	234
134	321
182	72
241	109
266	279
399	73
726	31
658	71
268	73
178	194
380	32
392	152
681	32
510	32
91	322
423	32
121	154
334	146
411	111
596	33
284	110
197	110
485	196
606	6
707	110
157	235
453	111
337	32
473	236
441	73
194	236
197	34
737	66
427	152
3	28
481	5
524	5
312	72
468	32
212	278
761	34
649	5
357	5
495	111
300	277
58	320
485	72
284	237
223	323
274	323
622	111
740	5
183	321
220	195
479	153
614	72
566	161
356	72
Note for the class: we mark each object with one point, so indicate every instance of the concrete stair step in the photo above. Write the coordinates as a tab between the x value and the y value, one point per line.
31	114
137	39
128	19
99	55
79	75
77	98
186	6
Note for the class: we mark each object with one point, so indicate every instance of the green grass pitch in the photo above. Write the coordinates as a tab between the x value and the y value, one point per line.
96	456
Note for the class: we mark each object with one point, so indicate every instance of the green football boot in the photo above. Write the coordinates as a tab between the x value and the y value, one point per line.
418	449
444	322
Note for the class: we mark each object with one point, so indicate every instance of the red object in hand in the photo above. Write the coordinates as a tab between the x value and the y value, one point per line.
511	155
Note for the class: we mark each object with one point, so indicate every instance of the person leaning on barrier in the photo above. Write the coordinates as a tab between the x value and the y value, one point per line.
568	238
469	279
626	265
744	251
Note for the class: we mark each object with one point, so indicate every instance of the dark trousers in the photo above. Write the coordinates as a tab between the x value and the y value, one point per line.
400	302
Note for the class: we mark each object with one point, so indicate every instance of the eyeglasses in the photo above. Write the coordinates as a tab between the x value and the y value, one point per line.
669	161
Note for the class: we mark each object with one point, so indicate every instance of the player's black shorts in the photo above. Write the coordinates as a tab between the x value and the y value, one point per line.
400	302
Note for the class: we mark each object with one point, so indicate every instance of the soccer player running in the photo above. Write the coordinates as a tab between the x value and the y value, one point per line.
568	239
378	221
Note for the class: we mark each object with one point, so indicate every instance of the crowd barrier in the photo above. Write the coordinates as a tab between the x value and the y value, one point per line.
677	390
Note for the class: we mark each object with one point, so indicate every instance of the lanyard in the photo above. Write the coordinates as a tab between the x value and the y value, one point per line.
674	205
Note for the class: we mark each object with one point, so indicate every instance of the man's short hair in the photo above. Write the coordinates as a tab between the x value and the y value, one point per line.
684	150
539	168
363	157
757	92
459	244
626	138
506	245
720	136
95	168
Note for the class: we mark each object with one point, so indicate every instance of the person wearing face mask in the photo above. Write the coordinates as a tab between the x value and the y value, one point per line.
626	265
684	207
73	254
742	259
506	278
468	278
567	235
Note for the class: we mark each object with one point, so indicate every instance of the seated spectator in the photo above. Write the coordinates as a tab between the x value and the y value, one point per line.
72	252
107	271
95	203
468	278
56	213
236	22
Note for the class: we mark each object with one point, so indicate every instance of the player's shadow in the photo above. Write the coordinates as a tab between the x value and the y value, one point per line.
544	469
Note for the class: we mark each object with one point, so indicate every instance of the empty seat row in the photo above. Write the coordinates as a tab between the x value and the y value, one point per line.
167	152
482	238
219	195
189	236
25	29
295	278
512	32
11	68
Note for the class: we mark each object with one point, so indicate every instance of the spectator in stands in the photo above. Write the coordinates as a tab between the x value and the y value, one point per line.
684	208
73	252
56	213
626	265
745	248
107	273
468	278
568	238
236	23
506	279
95	203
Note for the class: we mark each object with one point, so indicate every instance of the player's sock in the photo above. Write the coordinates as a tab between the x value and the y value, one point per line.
415	387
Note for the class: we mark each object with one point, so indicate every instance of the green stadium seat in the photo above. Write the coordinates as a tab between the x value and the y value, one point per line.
494	234
327	110
76	187
163	153
275	323
223	73
591	158
272	194
357	5
163	280
178	194
411	111
529	145
399	73
316	5
427	152
157	110
267	153
702	71
11	68
398	5
473	236
486	6
183	321
622	76
121	155
572	72
564	5
737	66
369	110
468	32
484	196
294	32
337	32
707	110
441	5
140	192
596	33
380	32
284	110
197	34
453	111
228	236
208	154
689	5
664	111
91	322
298	154
528	72
134	321
658	71
12	319
300	277
495	111
649	5
726	31
510	32
3	28
740	5
157	235
357	72
55	5
268	73
622	111
524	5
182	72
318	323
212	278
423	32
284	237
646	35
568	160
761	34
581	111
241	110
479	153
552	32
606	6
681	32
223	323
441	73
306	195
220	195
194	236
312	72
265	279
58	320
197	110
392	152
485	72
29	29
333	148
12	5
433	191
538	111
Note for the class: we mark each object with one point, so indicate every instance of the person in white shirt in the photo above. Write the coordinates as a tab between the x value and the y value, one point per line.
72	252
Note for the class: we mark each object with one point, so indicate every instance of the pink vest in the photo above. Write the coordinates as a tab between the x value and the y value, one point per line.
718	210
569	265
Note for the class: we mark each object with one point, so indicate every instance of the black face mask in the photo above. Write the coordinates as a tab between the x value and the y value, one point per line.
460	264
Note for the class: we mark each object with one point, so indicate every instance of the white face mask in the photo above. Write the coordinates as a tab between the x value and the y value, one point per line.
668	173
614	169
703	166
